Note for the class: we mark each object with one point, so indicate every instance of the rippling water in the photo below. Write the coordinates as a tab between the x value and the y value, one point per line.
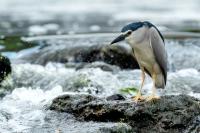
33	85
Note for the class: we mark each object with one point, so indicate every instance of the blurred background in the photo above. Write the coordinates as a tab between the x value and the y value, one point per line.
39	17
61	46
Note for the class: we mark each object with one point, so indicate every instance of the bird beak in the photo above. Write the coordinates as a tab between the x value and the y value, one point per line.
118	39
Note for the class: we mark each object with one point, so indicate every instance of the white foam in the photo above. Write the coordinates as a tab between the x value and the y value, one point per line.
95	28
25	105
197	95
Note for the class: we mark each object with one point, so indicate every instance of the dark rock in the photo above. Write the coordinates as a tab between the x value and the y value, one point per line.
120	56
5	70
170	114
82	50
65	102
116	55
91	54
5	67
115	97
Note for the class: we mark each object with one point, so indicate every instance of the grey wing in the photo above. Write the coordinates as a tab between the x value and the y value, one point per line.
160	53
133	54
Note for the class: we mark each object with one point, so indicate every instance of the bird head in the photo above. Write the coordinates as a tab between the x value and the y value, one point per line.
132	33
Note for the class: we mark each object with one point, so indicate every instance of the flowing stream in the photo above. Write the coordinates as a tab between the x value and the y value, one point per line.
33	84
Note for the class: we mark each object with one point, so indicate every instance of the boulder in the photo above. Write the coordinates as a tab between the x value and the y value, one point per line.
169	114
116	55
121	56
75	51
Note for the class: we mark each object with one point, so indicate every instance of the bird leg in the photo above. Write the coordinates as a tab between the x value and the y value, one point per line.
153	95
139	96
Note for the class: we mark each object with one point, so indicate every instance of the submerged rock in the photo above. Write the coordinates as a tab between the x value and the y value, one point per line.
172	114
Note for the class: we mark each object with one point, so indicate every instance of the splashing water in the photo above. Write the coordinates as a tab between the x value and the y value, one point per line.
24	108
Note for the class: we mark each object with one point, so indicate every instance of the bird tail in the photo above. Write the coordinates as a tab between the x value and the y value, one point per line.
160	81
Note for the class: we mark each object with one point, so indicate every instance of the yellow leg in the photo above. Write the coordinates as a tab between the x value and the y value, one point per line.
139	96
153	95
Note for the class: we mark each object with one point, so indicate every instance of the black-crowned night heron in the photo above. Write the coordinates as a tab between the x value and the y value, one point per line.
148	49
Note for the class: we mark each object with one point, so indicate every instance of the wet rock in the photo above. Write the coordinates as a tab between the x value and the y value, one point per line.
81	50
91	54
116	55
172	114
67	100
92	48
5	67
115	97
68	124
121	56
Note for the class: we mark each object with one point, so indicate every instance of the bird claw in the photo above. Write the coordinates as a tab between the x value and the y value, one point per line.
152	97
138	98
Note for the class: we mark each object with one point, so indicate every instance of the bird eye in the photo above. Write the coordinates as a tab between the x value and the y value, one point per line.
129	32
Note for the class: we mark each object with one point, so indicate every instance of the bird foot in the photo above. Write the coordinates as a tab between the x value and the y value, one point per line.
138	98
152	97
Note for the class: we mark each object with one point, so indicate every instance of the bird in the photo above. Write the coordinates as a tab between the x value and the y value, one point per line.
148	49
